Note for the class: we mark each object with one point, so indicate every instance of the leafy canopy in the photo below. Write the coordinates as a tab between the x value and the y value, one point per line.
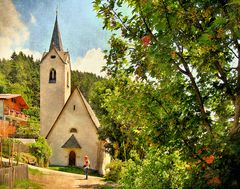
175	73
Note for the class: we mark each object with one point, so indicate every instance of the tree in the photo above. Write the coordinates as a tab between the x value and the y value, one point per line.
183	58
20	75
41	150
111	128
84	81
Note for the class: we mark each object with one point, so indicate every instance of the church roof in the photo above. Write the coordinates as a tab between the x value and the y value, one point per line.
64	56
90	111
56	37
71	143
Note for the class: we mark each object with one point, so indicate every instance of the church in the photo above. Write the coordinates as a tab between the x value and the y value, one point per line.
67	120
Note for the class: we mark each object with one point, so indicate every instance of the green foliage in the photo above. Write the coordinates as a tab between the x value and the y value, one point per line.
31	130
113	170
20	75
26	158
41	150
7	144
160	169
84	81
110	128
174	77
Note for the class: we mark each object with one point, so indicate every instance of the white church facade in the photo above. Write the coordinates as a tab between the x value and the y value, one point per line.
67	120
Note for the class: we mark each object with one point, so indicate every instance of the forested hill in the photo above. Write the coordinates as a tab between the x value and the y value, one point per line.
21	75
84	81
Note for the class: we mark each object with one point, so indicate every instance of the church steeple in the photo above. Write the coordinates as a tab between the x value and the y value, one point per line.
56	37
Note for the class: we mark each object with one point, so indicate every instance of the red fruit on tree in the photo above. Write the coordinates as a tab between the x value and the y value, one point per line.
146	40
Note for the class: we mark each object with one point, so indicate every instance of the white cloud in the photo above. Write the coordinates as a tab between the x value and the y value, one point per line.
32	19
93	61
13	32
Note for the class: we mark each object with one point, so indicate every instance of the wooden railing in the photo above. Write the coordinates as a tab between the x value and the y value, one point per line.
15	114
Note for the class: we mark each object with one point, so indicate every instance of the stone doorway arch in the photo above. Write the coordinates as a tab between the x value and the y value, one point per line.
72	158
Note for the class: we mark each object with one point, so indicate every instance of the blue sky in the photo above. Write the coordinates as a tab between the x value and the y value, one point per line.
30	25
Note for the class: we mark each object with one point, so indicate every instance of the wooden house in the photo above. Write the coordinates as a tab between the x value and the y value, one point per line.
11	115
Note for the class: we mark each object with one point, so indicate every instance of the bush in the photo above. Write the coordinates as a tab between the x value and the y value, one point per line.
113	170
160	169
129	174
7	146
26	158
42	151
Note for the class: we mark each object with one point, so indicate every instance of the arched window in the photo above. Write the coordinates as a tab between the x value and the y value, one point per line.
52	76
73	130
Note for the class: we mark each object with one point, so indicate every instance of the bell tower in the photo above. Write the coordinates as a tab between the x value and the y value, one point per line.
55	81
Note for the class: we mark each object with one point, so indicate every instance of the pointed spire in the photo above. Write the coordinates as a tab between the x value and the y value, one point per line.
56	37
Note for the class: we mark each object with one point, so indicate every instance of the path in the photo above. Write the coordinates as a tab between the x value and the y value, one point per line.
60	180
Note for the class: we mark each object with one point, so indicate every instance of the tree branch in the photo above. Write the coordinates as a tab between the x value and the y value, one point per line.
224	79
236	126
180	69
145	22
197	93
233	52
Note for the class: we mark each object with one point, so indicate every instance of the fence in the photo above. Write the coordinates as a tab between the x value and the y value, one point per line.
10	170
8	175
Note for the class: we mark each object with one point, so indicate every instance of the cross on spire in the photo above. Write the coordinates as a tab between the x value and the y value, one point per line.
57	10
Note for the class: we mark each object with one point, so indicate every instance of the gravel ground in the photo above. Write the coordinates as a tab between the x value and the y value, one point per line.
51	179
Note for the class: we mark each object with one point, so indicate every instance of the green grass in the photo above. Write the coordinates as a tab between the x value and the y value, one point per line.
26	183
3	187
70	169
23	184
34	171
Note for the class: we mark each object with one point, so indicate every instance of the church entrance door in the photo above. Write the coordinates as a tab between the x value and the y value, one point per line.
72	158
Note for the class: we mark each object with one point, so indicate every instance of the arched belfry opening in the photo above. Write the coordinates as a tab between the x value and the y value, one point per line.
52	76
72	158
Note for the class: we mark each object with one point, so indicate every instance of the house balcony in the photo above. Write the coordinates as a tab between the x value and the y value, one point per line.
15	115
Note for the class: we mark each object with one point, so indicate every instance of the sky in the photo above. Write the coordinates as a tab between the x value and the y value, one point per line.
27	26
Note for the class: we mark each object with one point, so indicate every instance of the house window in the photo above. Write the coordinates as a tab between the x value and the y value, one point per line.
52	76
73	130
74	107
53	56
